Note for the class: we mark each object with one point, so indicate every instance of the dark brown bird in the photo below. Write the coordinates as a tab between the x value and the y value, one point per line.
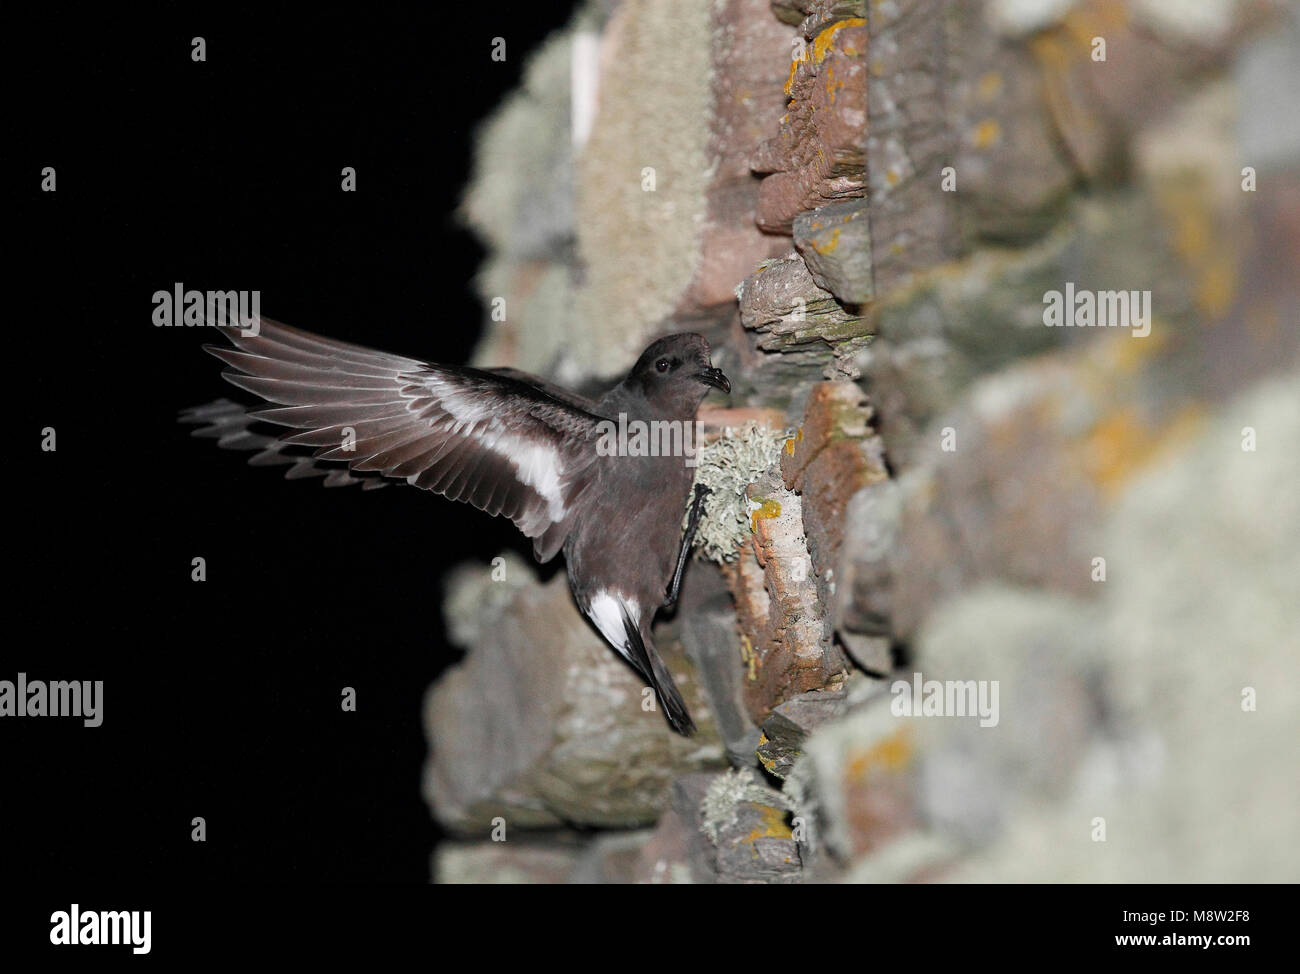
507	442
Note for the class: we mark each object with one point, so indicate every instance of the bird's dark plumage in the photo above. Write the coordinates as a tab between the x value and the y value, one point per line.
503	440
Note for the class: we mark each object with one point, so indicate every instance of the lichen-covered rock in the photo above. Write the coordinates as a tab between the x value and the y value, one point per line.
785	635
1189	788
708	633
1055	510
812	16
542	724
730	460
912	223
749	50
833	456
1010	175
835	243
787	729
510	862
858	781
1046	654
737	829
791	315
817	154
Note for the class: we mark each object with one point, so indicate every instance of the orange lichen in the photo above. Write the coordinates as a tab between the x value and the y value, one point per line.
832	86
990	86
800	56
986	133
892	754
829	246
822	43
772	825
1121	444
749	657
766	510
1217	287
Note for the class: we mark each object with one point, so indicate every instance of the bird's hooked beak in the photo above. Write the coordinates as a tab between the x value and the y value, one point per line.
715	378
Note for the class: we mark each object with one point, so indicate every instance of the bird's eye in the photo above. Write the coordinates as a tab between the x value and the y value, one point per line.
662	365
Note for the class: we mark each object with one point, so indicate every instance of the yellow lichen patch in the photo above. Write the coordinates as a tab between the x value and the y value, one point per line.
1050	50
986	133
892	176
800	56
1115	448
829	246
892	754
1217	287
990	86
1199	239
766	510
1124	357
1121	444
764	761
832	86
749	657
1096	19
1192	233
772	825
822	43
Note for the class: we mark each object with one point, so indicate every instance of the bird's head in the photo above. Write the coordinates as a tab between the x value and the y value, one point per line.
676	371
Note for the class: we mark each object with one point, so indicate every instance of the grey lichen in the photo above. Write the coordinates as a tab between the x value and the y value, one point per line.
719	808
727	467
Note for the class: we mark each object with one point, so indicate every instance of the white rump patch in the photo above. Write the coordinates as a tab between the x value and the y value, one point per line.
607	613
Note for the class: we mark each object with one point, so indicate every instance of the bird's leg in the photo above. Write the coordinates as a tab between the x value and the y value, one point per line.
688	536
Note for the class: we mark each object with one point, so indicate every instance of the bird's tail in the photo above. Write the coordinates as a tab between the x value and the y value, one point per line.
652	667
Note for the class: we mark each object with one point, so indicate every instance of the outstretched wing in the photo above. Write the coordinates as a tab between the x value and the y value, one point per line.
492	440
230	424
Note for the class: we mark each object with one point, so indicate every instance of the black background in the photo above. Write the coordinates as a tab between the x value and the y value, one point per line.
222	698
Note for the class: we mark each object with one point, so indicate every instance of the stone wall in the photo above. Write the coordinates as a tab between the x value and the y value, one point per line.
865	206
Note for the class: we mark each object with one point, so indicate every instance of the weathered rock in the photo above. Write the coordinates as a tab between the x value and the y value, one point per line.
832	457
614	857
817	155
1043	656
872	653
858	781
1193	636
1098	105
542	724
985	312
786	731
812	16
509	862
643	180
973	513
1010	175
749	51
816	337
736	829
786	639
708	632
912	222
835	243
979	560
